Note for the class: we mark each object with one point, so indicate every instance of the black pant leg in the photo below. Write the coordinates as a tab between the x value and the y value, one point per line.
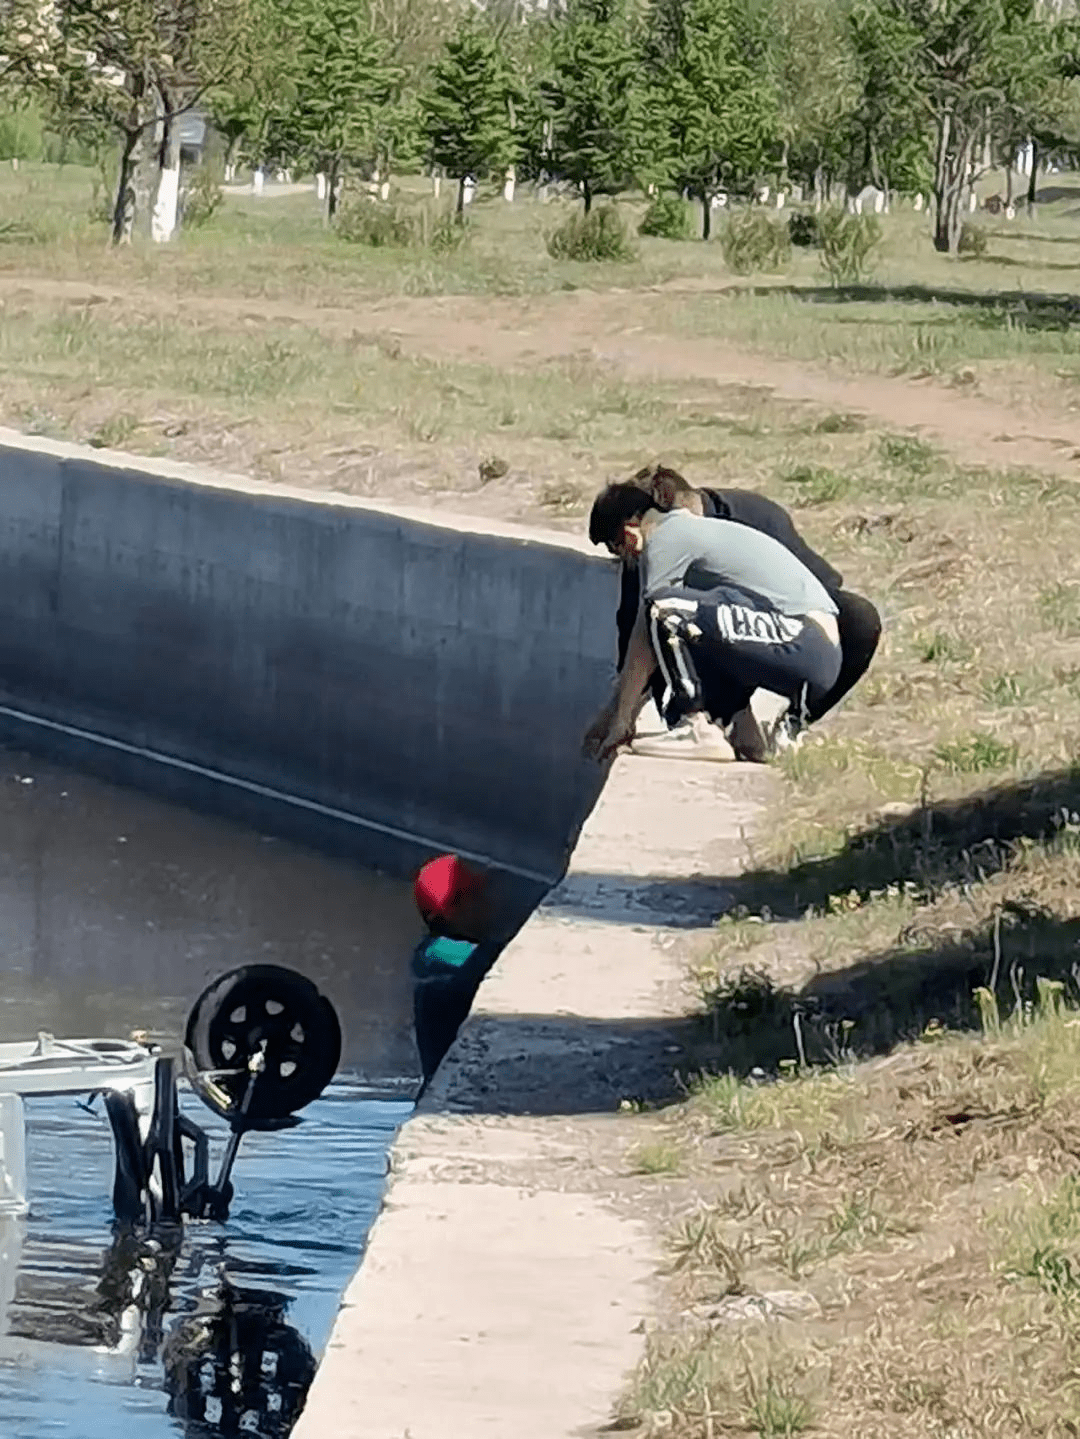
860	631
741	637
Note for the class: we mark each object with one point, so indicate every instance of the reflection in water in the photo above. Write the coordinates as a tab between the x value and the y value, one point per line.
117	909
237	1367
207	1331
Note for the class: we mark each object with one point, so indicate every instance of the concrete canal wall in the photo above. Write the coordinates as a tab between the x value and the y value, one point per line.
366	677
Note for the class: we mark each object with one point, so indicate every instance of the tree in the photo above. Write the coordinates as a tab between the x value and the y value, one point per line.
716	95
886	140
528	49
243	108
131	67
1042	104
340	82
468	108
597	107
962	60
816	83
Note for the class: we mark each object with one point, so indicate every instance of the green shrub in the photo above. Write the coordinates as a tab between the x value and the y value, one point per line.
753	240
847	244
440	230
973	240
602	234
385	226
375	223
22	133
803	229
667	218
203	195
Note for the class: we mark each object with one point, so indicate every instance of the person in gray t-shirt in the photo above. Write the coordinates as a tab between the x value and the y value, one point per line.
720	552
712	585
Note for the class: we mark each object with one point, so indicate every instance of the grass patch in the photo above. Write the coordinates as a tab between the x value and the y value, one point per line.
1059	606
922	1208
908	453
816	485
975	754
943	648
658	1158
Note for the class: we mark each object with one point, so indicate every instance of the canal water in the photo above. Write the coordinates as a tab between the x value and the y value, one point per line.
115	911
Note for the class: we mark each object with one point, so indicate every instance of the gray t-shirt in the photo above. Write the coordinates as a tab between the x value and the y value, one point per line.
725	553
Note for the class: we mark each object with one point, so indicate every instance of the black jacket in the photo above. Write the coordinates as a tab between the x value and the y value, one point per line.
745	508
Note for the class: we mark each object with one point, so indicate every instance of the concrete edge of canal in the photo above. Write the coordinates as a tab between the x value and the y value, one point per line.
508	1282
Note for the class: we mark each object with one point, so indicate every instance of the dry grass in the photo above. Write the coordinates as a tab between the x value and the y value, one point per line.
881	1250
880	1209
878	1150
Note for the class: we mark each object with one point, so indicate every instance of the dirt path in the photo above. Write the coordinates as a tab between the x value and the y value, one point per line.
612	328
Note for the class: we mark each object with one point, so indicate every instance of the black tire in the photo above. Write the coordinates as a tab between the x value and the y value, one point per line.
267	1002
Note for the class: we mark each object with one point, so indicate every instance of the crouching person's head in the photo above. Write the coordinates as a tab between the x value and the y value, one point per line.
454	898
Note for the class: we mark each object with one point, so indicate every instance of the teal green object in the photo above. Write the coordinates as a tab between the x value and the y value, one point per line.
454	952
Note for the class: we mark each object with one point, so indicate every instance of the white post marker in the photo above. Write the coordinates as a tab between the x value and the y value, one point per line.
470	189
320	186
258	179
509	184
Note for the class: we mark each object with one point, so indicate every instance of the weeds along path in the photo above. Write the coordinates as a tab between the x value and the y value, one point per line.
617	330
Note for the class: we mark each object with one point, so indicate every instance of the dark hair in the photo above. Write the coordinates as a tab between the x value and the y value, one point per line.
648	477
614	506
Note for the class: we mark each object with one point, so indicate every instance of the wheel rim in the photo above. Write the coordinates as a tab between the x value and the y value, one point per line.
275	1012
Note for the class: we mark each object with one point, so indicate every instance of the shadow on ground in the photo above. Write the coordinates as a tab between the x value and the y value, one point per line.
948	842
996	309
925	982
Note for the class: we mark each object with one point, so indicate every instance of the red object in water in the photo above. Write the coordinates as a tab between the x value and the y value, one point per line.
441	884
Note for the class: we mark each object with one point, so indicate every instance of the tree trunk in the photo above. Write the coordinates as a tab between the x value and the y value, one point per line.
333	183
706	215
163	218
232	155
123	219
1008	182
1033	178
586	192
947	188
819	188
947	221
459	208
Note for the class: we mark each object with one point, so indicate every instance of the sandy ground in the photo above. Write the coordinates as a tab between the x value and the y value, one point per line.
612	328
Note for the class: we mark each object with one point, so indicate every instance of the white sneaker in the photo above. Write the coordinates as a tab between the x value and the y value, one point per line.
786	734
695	737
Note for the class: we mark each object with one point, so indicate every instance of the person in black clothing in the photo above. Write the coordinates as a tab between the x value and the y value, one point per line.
727	704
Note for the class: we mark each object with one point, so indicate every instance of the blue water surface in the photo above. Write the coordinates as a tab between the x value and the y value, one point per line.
208	1332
